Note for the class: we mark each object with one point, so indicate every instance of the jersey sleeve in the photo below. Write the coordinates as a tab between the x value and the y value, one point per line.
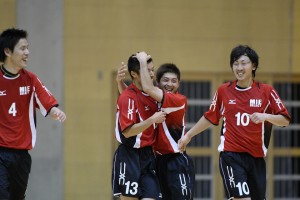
277	106
127	108
215	109
173	100
44	99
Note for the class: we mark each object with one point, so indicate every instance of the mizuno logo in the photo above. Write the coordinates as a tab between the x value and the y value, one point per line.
183	184
232	101
214	102
147	108
2	93
122	174
277	99
230	176
130	109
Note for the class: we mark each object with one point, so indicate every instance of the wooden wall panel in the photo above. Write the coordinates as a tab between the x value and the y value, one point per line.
295	56
7	14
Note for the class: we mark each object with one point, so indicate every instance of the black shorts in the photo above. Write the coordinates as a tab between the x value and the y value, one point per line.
243	175
176	176
15	167
133	173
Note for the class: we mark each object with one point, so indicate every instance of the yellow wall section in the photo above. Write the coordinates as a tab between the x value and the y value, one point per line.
296	38
7	14
196	35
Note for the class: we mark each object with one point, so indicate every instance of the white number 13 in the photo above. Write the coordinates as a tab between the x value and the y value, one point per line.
243	119
12	110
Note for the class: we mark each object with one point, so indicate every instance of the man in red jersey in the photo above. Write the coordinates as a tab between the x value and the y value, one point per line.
175	170
248	109
178	183
133	175
21	92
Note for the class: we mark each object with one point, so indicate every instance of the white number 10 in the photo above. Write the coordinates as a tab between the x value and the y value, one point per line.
243	119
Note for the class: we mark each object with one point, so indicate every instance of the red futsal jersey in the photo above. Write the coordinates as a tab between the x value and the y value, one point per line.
171	130
135	106
19	97
238	132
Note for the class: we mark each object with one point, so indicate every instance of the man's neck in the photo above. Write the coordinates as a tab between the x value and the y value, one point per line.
6	72
9	68
137	84
245	83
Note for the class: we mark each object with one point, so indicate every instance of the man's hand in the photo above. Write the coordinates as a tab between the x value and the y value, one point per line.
57	114
121	72
258	117
158	117
142	56
184	140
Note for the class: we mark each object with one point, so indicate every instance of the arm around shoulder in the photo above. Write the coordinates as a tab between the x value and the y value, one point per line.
137	128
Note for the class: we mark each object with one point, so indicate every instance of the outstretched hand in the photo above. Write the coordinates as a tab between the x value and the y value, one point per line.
121	74
57	114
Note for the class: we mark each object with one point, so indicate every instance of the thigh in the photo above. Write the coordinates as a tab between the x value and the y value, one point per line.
19	175
128	198
14	174
234	175
4	183
257	179
178	177
126	172
149	186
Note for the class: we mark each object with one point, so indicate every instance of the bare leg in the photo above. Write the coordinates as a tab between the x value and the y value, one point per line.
128	198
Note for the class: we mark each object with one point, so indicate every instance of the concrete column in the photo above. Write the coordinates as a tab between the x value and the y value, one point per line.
43	19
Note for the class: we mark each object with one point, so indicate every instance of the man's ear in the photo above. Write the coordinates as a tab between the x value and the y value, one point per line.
7	51
134	74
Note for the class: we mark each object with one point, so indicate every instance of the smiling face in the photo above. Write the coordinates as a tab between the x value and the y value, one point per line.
19	57
242	69
169	82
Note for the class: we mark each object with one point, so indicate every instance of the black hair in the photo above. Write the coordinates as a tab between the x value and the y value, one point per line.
165	68
244	50
133	64
8	40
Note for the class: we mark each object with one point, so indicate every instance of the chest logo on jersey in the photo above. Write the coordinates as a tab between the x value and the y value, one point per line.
2	93
232	101
147	108
255	102
24	90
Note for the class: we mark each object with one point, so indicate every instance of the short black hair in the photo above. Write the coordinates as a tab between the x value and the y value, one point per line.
133	64
244	50
8	40
165	68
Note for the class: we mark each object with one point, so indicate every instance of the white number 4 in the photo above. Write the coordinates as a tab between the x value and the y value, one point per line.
12	110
